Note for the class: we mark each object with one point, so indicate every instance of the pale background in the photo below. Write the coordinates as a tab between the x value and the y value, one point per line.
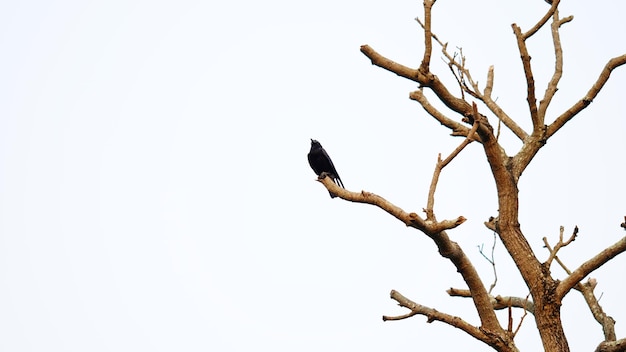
155	193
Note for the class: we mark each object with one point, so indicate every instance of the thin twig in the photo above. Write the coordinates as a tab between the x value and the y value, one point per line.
560	244
428	45
475	91
522	318
442	163
586	289
424	79
528	73
434	315
491	261
558	64
543	20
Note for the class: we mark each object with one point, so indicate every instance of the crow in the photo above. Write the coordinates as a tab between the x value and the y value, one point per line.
320	163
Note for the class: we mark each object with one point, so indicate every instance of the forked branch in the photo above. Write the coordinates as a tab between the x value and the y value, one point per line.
442	163
589	266
543	20
559	245
425	79
558	63
530	79
586	289
436	230
492	260
434	315
464	77
457	128
430	228
606	321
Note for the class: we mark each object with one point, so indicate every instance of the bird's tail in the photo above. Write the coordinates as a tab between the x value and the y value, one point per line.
338	183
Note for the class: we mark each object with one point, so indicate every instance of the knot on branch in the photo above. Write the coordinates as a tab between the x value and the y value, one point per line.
437	227
492	224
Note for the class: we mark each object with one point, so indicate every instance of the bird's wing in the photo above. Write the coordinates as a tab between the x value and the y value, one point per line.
334	172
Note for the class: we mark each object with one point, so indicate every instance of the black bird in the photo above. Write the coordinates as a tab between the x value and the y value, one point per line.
320	162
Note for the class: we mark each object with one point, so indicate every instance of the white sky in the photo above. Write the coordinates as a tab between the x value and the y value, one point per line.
155	193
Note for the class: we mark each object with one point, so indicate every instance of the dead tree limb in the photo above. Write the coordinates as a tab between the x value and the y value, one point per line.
589	266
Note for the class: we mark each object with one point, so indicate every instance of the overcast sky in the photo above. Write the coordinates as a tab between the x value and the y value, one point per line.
155	193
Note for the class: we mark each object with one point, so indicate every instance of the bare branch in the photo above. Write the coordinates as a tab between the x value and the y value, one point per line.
519	326
457	128
509	327
498	130
475	91
530	80
607	322
497	110
543	20
498	302
425	79
456	62
588	98
392	66
433	35
586	289
434	315
590	265
489	84
436	230
441	164
559	244
465	142
464	77
491	261
400	317
558	65
430	228
492	224
412	219
428	44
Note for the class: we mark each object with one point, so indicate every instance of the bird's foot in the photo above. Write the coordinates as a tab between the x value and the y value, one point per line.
323	175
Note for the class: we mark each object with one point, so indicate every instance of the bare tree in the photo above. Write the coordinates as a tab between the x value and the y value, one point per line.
546	292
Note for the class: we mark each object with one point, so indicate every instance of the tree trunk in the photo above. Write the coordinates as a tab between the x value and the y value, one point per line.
548	319
537	277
